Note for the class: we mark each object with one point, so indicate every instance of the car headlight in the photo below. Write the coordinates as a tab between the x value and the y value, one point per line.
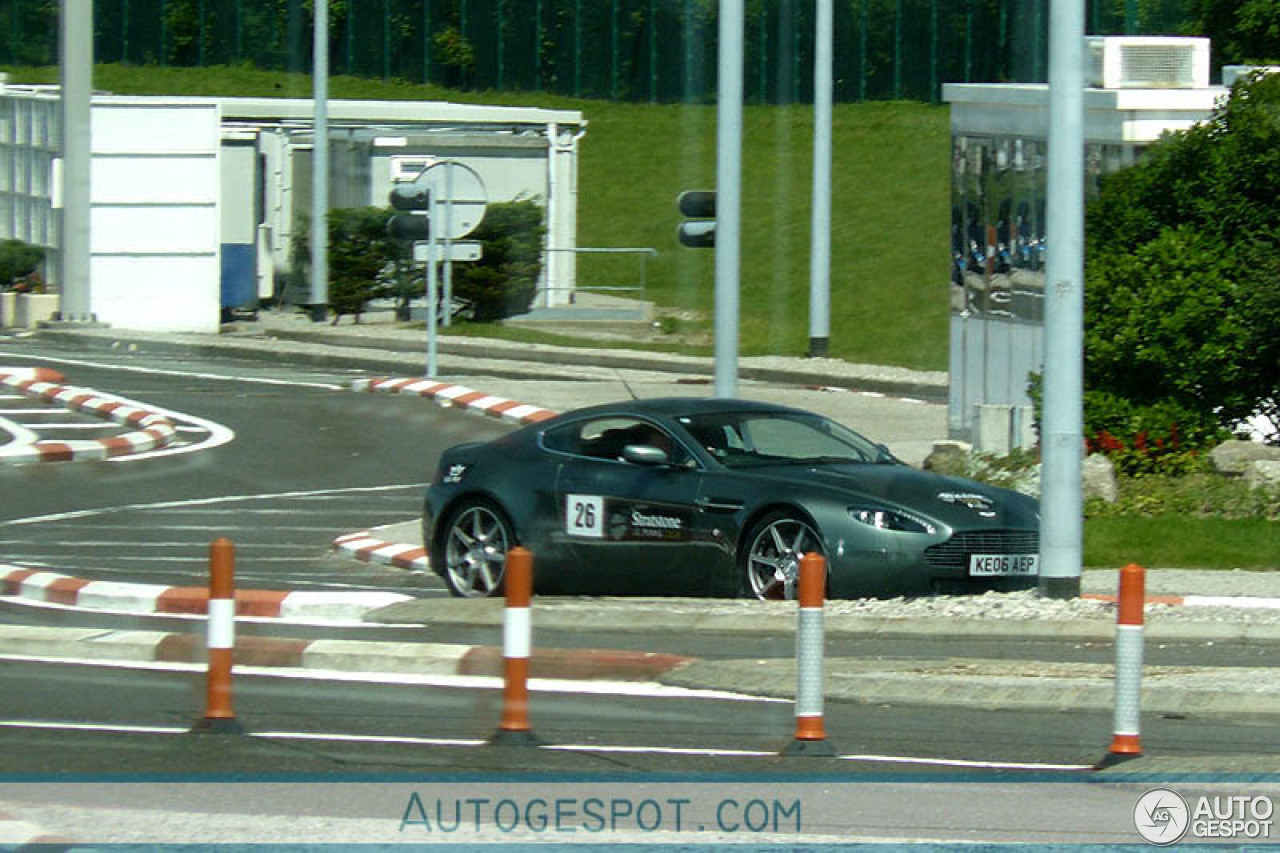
890	519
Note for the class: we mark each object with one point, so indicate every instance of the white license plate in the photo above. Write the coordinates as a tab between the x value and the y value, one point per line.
1001	565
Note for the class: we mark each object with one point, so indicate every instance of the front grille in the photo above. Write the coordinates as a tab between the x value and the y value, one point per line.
954	553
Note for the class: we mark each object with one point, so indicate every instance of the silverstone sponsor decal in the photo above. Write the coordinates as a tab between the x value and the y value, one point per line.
647	522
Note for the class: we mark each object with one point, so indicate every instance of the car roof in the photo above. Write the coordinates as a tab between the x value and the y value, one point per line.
671	407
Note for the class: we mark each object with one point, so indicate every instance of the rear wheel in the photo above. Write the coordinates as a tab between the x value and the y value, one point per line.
770	562
474	549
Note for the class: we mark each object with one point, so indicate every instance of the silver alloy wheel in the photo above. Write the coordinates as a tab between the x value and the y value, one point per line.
773	557
475	551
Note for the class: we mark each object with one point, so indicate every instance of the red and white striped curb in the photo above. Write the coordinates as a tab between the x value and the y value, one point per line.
1239	601
341	655
65	590
457	396
367	548
154	430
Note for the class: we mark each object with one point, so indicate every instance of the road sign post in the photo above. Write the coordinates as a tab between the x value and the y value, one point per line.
443	203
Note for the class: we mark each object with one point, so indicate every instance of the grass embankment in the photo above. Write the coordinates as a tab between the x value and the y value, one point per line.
889	263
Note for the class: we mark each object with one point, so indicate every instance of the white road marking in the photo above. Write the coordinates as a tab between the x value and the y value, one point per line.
960	762
92	425
201	502
21	435
157	371
627	749
638	689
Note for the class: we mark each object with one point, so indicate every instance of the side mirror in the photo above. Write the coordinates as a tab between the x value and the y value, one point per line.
643	454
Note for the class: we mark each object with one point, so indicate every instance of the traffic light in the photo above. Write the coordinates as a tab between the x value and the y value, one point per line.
415	223
699	232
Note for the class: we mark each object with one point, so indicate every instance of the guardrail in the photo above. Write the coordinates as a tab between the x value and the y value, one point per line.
642	252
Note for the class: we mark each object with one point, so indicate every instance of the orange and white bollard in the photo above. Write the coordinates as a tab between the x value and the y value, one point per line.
517	646
219	716
1128	697
811	736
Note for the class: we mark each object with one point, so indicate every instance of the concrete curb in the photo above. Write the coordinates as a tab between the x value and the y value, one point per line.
391	354
974	684
994	684
18	834
457	396
367	548
52	588
340	655
633	616
154	431
902	381
1243	601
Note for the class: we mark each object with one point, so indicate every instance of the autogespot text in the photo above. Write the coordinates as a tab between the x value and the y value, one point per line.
437	815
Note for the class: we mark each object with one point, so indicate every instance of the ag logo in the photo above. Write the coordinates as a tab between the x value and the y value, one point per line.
1161	816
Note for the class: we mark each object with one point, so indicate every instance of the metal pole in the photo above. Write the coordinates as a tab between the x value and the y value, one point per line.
653	52
820	238
577	48
1061	505
319	298
863	22
502	45
76	304
448	243
728	197
432	369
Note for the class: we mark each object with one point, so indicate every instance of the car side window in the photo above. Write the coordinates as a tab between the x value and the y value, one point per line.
604	438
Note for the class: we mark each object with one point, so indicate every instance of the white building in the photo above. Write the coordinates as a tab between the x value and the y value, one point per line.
194	200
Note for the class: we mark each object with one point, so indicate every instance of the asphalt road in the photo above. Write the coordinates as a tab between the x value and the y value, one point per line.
302	465
309	462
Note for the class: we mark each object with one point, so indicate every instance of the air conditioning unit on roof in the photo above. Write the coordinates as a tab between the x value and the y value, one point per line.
1148	62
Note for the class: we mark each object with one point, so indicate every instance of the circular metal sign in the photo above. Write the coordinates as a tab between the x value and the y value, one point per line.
459	198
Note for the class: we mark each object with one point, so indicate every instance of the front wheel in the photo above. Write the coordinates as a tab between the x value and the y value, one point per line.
475	547
770	562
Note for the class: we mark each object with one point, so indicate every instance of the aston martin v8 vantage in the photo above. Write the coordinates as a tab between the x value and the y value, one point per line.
696	496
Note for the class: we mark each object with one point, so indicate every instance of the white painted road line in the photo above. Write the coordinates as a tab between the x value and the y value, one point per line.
156	371
616	749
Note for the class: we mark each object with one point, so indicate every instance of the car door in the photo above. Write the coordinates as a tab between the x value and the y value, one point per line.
633	528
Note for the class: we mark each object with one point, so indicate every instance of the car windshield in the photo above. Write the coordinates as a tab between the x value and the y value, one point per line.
744	439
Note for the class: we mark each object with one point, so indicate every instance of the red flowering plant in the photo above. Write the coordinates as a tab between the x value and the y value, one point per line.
1147	439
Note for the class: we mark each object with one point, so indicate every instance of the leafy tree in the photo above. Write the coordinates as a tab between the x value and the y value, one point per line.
1242	31
17	259
1182	302
504	281
362	258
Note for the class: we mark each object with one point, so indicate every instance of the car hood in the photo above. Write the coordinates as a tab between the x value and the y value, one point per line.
955	501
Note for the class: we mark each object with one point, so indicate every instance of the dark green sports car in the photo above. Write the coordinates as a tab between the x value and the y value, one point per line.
696	496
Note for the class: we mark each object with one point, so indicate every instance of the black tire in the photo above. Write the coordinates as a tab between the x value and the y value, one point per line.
769	562
474	549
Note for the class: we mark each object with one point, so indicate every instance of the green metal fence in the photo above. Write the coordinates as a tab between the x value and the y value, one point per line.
640	50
